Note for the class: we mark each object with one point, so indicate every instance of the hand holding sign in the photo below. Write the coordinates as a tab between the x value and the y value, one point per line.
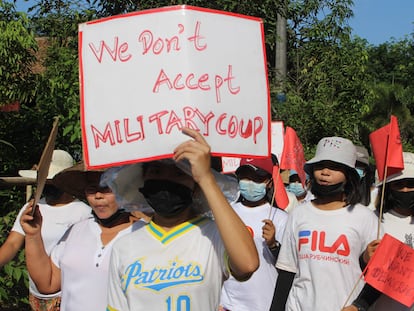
197	152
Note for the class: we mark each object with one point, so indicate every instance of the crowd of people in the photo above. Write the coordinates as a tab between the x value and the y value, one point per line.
185	245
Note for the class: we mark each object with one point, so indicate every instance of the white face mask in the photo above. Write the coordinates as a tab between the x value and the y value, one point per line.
251	190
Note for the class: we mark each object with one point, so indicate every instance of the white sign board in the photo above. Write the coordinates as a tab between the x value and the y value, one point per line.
278	138
146	75
230	164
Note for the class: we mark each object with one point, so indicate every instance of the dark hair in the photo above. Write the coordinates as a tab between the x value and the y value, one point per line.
52	193
352	186
387	201
366	182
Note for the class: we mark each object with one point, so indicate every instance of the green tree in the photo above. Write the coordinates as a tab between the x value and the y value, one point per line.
391	66
17	55
326	87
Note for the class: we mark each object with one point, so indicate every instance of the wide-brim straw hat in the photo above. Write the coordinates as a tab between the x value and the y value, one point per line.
61	160
75	179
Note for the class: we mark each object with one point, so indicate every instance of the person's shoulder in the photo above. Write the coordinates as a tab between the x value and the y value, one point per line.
302	207
363	210
133	234
280	213
79	204
138	225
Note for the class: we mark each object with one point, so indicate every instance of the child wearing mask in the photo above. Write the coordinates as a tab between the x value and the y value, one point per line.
266	223
178	261
318	262
295	186
398	221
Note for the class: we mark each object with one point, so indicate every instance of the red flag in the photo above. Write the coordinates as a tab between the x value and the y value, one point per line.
293	157
391	270
387	149
281	197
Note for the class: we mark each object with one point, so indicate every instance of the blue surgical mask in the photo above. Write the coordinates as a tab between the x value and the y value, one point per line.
360	172
251	190
296	188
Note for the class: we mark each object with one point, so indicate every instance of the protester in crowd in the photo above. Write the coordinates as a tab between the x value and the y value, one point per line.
367	177
78	265
397	212
266	223
60	210
318	262
284	176
179	260
295	186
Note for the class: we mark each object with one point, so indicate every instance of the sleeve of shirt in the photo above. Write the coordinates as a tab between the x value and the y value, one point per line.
287	259
280	224
371	228
59	249
117	300
16	226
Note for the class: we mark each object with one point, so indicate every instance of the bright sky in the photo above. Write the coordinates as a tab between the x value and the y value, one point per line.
380	20
375	20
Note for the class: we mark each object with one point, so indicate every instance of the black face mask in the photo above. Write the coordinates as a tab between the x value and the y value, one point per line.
403	200
167	198
327	191
119	217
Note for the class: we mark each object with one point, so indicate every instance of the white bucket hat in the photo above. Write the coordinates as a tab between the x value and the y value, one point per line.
60	160
335	149
362	155
407	172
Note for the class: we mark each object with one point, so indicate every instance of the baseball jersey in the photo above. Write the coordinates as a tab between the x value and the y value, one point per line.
180	269
323	248
56	221
84	261
257	292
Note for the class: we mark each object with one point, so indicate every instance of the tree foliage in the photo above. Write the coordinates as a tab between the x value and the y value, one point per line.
326	90
17	55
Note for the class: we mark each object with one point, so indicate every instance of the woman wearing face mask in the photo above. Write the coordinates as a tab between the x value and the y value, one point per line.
266	224
78	265
295	186
398	221
179	260
318	262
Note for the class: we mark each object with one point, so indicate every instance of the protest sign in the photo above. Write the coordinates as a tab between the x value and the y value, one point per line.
391	270
230	164
146	74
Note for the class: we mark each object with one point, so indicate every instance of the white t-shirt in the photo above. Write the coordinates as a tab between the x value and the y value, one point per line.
402	228
179	269
257	292
293	202
56	220
323	249
84	261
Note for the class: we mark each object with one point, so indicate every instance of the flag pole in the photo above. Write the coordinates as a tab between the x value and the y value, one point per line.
381	204
274	191
383	184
